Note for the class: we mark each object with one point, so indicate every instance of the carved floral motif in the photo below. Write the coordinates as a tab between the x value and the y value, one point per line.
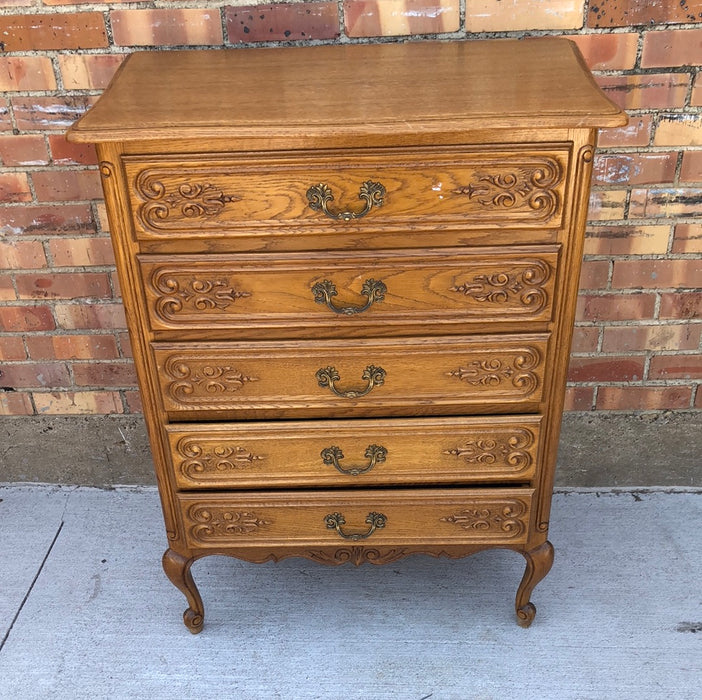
213	522
193	295
357	555
523	287
198	381
493	372
173	201
203	458
530	185
510	448
502	518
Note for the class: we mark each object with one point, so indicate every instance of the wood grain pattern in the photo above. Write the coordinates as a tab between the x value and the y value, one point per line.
421	376
297	518
416	451
442	287
490	187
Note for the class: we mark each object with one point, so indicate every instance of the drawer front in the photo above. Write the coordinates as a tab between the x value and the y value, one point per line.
355	453
355	293
323	518
221	194
328	379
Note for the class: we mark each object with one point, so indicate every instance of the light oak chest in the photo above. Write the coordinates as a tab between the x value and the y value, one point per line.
350	276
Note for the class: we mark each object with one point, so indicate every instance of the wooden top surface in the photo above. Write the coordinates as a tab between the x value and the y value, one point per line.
362	89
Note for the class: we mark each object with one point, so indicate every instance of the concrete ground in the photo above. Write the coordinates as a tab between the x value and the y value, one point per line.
86	612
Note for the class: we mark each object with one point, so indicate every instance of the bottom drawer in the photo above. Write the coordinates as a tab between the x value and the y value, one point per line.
318	518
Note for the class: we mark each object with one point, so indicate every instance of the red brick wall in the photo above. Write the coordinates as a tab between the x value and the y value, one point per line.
63	347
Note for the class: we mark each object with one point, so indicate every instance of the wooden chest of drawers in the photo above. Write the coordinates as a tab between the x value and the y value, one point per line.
350	276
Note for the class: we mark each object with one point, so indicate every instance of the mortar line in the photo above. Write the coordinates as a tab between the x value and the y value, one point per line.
31	587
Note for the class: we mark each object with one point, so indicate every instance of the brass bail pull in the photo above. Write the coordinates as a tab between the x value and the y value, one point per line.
320	195
328	376
333	455
335	521
373	290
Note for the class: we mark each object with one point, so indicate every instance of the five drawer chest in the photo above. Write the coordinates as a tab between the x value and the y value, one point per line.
350	276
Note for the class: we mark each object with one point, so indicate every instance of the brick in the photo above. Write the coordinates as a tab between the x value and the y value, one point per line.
23	149
126	344
626	13
678	130
649	91
607	51
667	202
696	96
642	398
66	185
605	369
105	374
299	21
14	187
166	27
594	274
12	348
686	305
72	347
672	48
615	307
676	367
627	240
53	31
74	252
634	168
7	291
656	274
585	339
400	17
636	133
88	71
34	374
513	15
691	170
65	153
114	279
579	398
46	219
15	403
606	205
17	319
678	336
16	3
5	121
26	255
77	402
133	399
50	113
26	73
93	316
69	285
688	239
103	223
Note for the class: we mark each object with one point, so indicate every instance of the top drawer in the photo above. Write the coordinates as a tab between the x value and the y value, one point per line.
222	195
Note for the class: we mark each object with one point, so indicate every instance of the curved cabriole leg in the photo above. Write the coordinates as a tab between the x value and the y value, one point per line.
177	568
538	564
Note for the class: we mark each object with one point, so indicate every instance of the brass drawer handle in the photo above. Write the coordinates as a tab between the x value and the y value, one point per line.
375	453
373	290
376	521
320	195
327	376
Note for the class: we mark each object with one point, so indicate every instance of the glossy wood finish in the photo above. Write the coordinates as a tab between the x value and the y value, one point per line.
299	365
358	453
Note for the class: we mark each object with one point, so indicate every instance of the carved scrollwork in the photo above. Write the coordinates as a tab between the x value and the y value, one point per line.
530	185
524	287
511	448
494	372
198	381
173	201
202	459
358	555
213	523
192	295
503	518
